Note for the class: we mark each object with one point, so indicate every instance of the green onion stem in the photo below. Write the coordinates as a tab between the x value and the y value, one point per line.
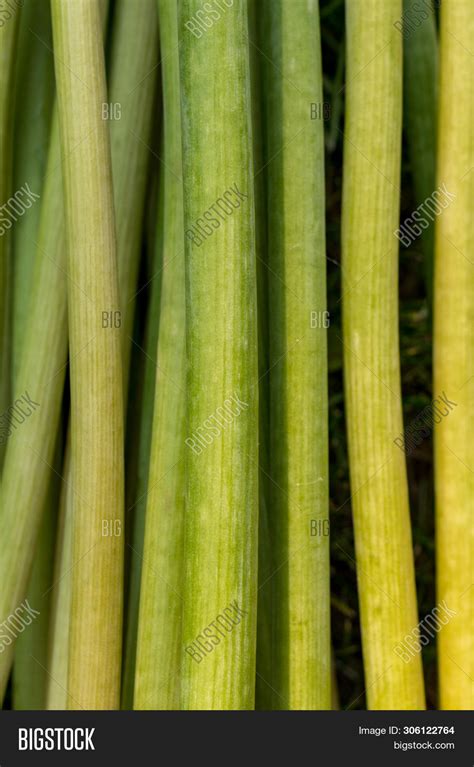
95	367
370	211
221	339
8	39
28	468
35	82
132	85
453	360
159	652
301	662
139	436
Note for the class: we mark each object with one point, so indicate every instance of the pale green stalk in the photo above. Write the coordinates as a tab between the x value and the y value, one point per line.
222	477
420	81
371	175
454	359
301	660
159	649
129	108
41	375
58	638
95	367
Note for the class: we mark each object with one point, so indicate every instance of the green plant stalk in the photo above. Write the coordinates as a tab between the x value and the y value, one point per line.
30	452
298	358
221	340
30	678
35	83
132	85
41	373
159	649
8	38
133	69
43	362
31	669
58	635
95	368
142	395
420	80
453	357
133	62
370	212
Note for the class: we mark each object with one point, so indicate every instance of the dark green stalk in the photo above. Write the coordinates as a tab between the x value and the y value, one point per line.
139	462
8	39
420	85
298	357
159	650
35	83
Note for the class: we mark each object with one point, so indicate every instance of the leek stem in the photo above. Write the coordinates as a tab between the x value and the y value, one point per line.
30	452
96	372
159	652
298	358
8	38
221	340
35	82
453	357
371	175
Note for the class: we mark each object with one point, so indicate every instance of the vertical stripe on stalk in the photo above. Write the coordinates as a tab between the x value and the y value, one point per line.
263	690
222	457
298	357
379	489
454	357
96	373
159	652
